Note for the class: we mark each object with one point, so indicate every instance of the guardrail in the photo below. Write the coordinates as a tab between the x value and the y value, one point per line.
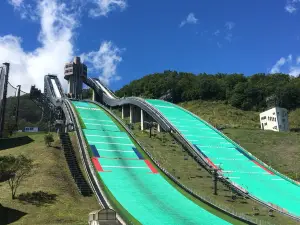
206	200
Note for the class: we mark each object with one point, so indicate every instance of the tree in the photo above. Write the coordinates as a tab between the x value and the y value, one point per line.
5	161
48	138
18	169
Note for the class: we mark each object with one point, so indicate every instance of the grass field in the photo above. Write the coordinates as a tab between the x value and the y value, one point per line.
52	177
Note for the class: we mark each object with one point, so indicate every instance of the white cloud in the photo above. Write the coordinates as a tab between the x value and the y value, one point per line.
191	19
219	45
228	32
15	3
106	6
286	65
28	68
278	65
57	31
229	25
291	6
229	37
294	71
216	33
104	61
26	10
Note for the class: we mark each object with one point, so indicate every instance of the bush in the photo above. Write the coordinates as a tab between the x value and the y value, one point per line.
48	138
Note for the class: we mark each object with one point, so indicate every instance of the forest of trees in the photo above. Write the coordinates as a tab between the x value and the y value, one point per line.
244	92
29	114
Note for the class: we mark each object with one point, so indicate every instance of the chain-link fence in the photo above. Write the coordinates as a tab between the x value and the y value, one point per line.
21	111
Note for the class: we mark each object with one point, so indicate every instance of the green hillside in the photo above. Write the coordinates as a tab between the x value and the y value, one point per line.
254	92
60	201
29	114
218	113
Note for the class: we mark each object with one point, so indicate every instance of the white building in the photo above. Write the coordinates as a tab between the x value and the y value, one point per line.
275	119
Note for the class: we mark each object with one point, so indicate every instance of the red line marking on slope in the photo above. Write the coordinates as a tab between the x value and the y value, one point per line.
150	166
104	157
211	163
261	166
97	164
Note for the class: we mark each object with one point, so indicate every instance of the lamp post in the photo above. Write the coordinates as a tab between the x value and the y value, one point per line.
215	180
18	104
150	124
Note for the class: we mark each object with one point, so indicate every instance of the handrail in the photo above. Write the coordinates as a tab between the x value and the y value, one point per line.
206	200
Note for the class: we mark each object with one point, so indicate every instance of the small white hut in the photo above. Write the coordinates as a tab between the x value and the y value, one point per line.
275	119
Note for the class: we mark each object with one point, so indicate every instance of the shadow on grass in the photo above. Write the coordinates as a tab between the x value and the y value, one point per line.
8	143
5	176
8	215
295	129
56	147
39	198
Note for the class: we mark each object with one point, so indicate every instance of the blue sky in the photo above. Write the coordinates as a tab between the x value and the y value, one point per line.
125	40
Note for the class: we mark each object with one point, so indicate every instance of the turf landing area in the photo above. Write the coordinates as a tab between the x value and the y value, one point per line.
235	164
146	195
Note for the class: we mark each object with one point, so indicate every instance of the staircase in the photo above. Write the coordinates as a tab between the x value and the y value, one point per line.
70	156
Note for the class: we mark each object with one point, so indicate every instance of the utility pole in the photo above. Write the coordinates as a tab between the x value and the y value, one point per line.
4	69
215	179
18	104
